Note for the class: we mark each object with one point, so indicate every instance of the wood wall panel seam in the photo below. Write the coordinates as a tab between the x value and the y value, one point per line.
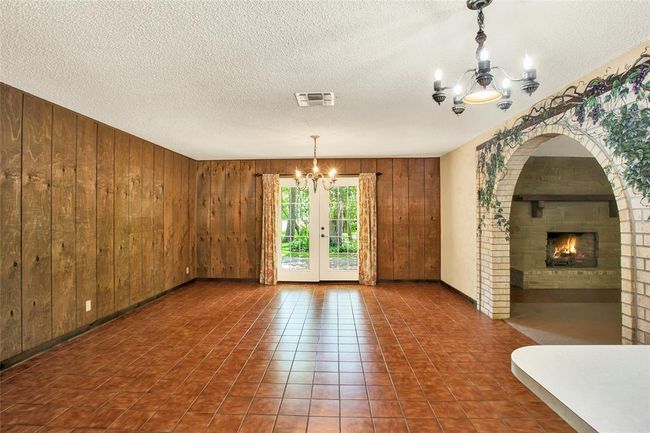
11	143
247	219
416	233
159	222
105	220
135	219
191	182
86	218
184	235
36	222
400	220
432	217
167	216
147	219
176	221
217	220
202	181
63	294
385	244
121	206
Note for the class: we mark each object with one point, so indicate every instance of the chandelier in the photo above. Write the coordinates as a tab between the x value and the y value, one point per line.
302	181
478	85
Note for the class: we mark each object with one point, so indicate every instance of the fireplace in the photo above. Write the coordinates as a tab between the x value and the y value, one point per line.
574	250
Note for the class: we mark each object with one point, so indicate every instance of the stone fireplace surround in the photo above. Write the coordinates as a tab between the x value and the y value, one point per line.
580	177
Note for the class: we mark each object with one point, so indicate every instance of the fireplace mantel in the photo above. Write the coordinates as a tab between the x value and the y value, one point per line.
537	201
563	197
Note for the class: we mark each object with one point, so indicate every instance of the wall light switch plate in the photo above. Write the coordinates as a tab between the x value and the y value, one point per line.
187	270
89	305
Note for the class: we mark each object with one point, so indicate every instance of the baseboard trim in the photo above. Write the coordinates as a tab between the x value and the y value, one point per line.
453	289
408	281
23	356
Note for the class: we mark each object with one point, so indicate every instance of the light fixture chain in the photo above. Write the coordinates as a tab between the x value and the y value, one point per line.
481	36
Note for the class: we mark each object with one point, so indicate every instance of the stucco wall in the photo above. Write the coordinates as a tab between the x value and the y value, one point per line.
458	216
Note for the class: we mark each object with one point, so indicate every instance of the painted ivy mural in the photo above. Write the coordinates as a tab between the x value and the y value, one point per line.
614	111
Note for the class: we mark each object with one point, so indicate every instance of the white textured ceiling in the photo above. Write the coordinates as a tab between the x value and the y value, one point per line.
216	79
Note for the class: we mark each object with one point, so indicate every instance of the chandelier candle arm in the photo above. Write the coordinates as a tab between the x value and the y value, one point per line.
482	87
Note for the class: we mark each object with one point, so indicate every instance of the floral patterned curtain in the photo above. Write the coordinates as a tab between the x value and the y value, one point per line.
269	262
368	229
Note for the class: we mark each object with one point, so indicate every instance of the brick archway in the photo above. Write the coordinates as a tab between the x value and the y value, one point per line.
493	261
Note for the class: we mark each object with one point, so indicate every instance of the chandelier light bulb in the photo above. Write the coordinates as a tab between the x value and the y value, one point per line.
332	172
528	62
438	75
298	173
505	83
484	55
458	89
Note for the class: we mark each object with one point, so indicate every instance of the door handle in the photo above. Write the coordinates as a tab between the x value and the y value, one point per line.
322	228
322	235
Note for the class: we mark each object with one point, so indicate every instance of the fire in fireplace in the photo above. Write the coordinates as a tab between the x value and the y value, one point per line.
578	250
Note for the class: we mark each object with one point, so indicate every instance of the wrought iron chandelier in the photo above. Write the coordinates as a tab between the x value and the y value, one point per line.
302	181
478	85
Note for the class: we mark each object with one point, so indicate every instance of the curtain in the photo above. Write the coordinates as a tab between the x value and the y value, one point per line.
269	261
368	229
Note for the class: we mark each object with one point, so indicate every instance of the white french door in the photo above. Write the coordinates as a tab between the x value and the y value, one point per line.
339	252
318	232
298	235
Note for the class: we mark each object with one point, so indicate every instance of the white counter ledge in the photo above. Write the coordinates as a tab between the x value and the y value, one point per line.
604	389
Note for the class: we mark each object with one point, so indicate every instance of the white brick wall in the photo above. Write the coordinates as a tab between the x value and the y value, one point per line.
493	255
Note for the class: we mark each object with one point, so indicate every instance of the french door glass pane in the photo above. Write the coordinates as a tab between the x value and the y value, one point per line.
343	236
294	228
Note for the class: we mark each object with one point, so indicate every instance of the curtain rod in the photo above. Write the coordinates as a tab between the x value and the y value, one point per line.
379	173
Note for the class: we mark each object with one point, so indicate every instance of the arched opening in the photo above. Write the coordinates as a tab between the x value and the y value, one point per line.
493	252
565	248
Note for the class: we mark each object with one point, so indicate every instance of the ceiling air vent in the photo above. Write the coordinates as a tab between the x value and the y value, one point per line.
312	99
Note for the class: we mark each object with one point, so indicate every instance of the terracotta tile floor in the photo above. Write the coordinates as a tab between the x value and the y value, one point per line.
238	357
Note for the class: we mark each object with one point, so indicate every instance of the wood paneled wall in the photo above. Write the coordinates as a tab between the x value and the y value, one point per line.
229	211
87	212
